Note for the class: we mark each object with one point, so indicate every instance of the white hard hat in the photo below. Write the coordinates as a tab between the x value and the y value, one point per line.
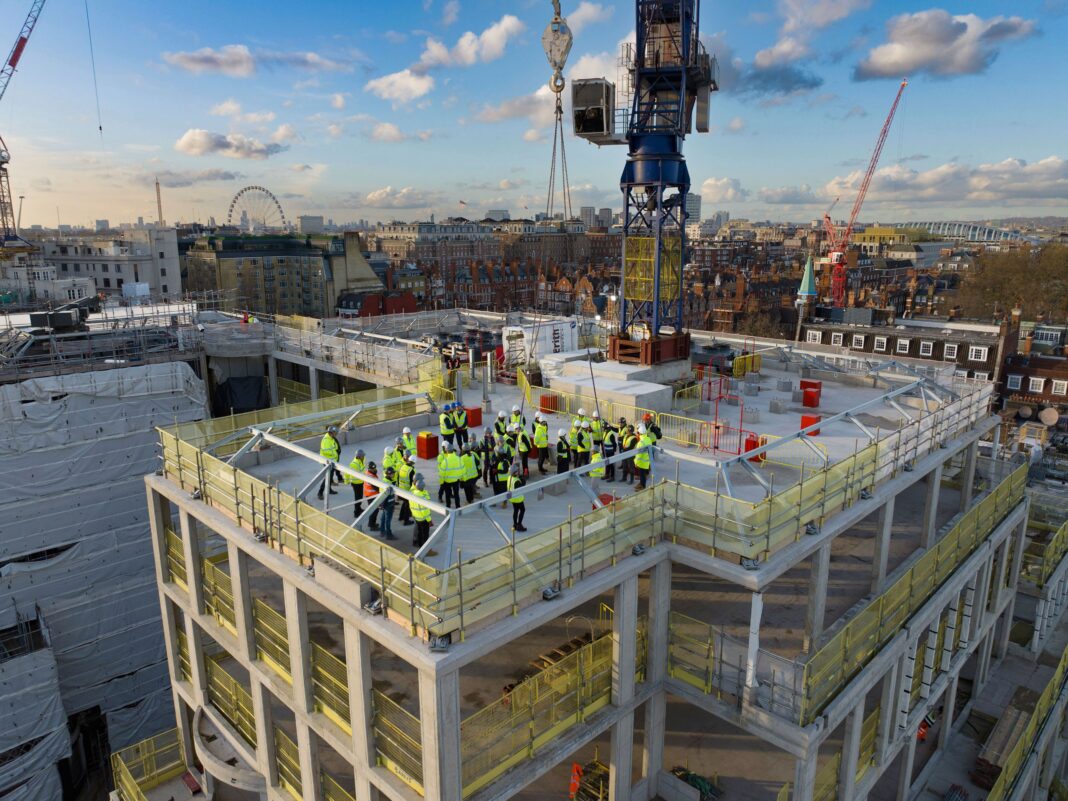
582	412
447	446
515	408
585	423
596	413
561	433
500	413
406	430
537	415
641	428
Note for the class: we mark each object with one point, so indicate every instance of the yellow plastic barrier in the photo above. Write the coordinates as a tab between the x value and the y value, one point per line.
146	765
330	689
860	639
1014	763
287	762
272	637
231	699
398	740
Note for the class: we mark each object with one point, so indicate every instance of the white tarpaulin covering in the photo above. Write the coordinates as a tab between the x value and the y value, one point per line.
75	542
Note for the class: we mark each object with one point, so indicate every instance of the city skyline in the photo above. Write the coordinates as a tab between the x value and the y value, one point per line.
412	110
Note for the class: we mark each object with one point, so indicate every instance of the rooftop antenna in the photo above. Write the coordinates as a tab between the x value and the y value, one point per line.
159	204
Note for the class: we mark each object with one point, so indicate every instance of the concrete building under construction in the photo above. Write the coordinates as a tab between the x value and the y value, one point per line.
823	590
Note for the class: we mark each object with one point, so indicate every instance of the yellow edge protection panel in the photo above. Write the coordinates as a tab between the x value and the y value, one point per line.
398	740
855	643
330	686
287	762
140	767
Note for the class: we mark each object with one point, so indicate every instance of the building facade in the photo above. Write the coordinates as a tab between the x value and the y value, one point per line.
143	258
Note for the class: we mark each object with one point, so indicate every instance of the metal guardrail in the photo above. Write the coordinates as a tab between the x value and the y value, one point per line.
398	740
185	668
330	688
332	791
231	699
272	638
218	594
287	763
1040	560
175	558
826	786
146	765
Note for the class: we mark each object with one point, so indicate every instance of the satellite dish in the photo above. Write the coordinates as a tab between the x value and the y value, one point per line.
1025	412
1049	416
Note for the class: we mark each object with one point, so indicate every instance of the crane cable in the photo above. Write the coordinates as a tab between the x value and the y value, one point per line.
92	61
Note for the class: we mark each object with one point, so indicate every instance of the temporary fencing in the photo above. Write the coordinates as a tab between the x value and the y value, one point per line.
398	740
826	787
869	735
1041	559
291	391
287	763
272	637
332	791
218	593
330	687
231	699
146	765
1027	742
176	571
860	639
185	669
688	398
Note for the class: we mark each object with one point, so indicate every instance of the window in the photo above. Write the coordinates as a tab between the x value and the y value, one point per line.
858	341
903	345
982	376
836	339
815	337
1013	382
960	373
1036	385
64	266
107	283
103	268
77	268
161	255
118	283
926	348
118	268
1050	337
977	354
880	343
949	351
1060	387
164	288
162	270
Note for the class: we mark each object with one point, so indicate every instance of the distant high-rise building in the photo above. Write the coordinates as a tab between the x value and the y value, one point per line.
588	215
140	222
693	207
499	215
604	218
310	224
102	225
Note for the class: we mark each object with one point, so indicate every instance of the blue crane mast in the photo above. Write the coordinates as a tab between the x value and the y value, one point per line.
671	76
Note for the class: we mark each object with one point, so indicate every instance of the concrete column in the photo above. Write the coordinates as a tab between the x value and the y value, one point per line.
904	696
191	555
266	759
624	643
847	773
883	531
272	380
246	640
311	786
296	610
890	694
982	674
904	779
185	734
358	673
313	382
205	376
949	708
805	776
817	596
981	590
158	512
197	661
655	671
971	454
756	609
439	718
930	507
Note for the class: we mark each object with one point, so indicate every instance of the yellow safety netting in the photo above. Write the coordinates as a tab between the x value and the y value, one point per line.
859	640
639	257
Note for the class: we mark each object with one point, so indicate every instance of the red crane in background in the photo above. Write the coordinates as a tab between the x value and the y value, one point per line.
840	241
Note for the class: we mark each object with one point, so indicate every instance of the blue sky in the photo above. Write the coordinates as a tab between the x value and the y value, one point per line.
395	110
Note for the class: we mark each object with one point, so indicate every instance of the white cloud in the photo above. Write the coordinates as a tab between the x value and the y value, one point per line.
173	179
450	13
736	125
334	131
588	13
722	190
1010	181
471	48
198	142
238	61
800	19
400	87
406	198
939	44
386	132
227	108
284	133
337	101
395	37
789	195
533	135
511	183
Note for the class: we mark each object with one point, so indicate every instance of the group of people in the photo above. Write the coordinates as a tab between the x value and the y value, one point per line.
500	458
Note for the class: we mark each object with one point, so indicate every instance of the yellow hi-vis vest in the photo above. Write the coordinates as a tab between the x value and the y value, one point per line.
514	482
328	448
445	420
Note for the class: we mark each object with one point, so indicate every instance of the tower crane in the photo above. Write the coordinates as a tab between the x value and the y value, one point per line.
839	241
669	74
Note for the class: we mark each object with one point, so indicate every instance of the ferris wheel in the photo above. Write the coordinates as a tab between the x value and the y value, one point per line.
256	209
